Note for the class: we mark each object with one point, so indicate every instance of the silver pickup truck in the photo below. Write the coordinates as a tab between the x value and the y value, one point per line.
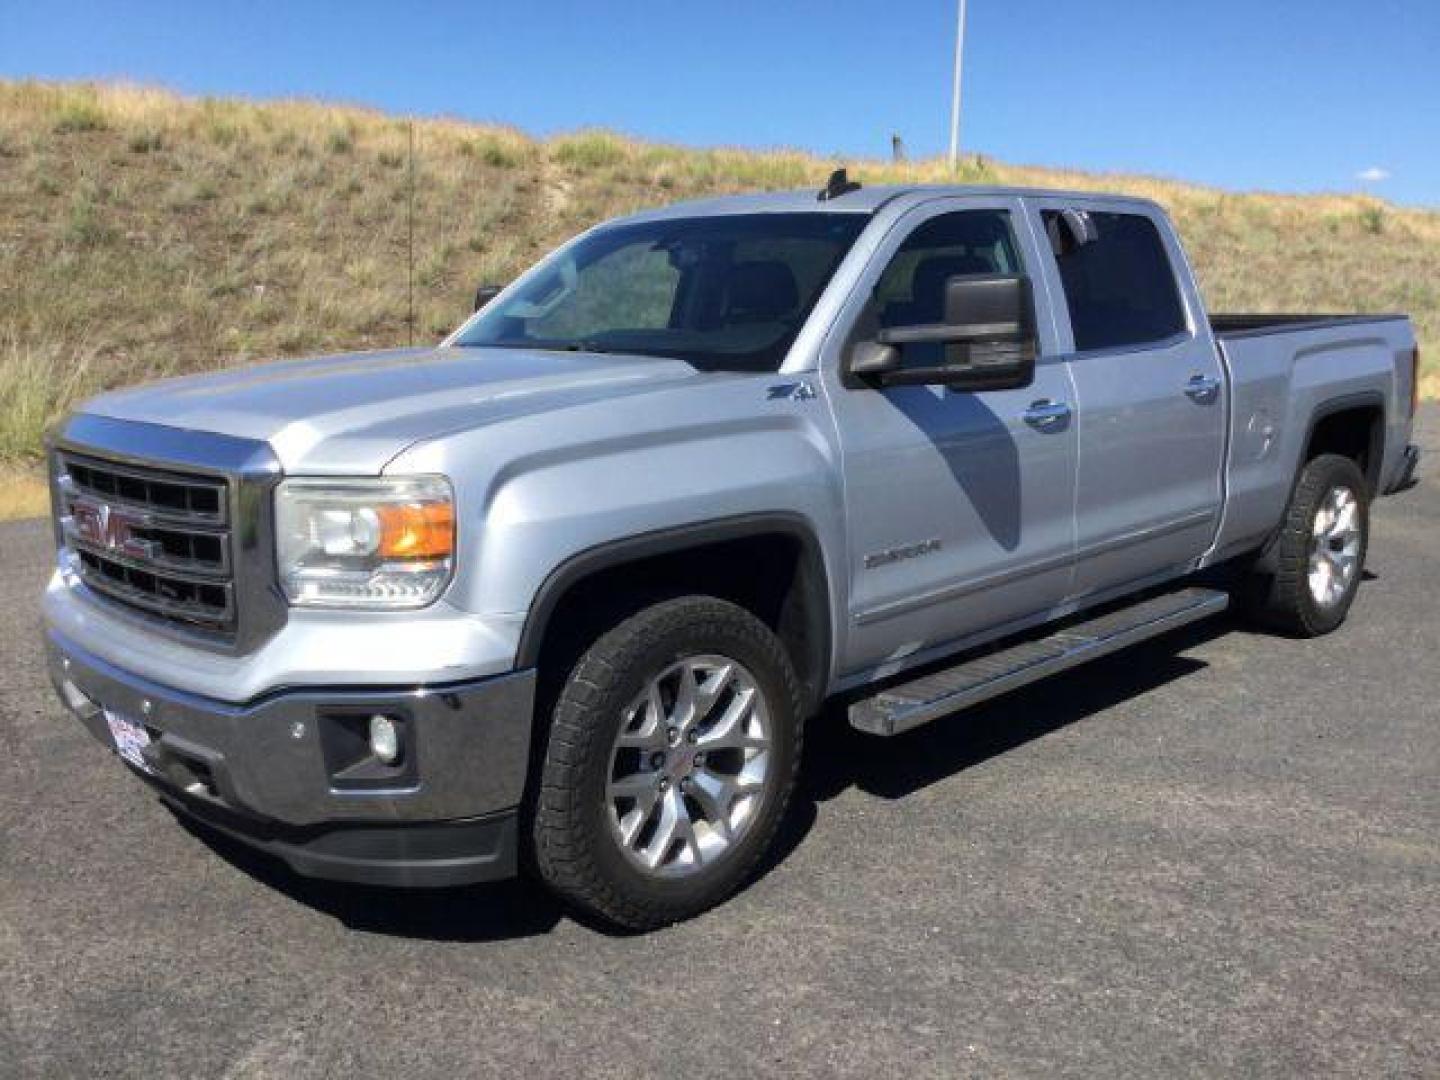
562	591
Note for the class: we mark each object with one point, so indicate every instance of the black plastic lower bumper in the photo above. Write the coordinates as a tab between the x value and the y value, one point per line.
414	855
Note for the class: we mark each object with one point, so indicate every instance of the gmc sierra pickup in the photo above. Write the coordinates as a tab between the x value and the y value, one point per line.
561	592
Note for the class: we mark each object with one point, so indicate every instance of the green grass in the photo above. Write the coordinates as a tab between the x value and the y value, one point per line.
146	234
80	113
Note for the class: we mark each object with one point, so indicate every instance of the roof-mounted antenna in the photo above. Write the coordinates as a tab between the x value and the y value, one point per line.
838	184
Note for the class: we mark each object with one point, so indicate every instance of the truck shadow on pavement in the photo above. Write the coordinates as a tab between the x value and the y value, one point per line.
473	913
836	758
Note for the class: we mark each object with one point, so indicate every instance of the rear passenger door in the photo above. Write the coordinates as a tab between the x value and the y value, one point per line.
1149	393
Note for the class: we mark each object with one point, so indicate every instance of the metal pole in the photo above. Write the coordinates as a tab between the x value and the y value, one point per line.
955	93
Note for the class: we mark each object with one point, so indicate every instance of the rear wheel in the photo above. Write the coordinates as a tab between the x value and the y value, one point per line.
670	760
1320	552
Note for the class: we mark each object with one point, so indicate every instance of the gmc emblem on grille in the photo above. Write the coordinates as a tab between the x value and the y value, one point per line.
111	528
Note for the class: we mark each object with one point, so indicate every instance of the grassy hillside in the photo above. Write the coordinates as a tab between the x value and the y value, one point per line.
144	234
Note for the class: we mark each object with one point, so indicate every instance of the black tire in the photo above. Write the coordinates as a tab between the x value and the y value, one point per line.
577	853
1278	592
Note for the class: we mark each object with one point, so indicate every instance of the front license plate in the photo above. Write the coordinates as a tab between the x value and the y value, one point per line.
130	737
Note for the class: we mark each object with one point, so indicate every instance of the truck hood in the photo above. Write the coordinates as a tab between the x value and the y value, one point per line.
353	413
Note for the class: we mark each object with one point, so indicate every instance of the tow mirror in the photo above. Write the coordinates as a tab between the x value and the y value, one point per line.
988	339
485	293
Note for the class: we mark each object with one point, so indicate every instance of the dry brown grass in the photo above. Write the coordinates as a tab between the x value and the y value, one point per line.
23	494
145	234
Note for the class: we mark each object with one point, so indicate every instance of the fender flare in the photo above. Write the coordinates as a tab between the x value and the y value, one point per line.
813	580
1364	399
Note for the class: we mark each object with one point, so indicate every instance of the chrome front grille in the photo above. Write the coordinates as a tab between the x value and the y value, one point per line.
151	539
196	499
171	527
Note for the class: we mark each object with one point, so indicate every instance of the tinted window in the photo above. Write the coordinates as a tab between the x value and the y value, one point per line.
730	291
1120	288
911	292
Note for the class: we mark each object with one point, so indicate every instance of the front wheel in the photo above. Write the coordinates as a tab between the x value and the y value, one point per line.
1320	553
670	758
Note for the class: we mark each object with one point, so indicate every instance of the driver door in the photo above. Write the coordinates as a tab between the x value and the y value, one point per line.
959	505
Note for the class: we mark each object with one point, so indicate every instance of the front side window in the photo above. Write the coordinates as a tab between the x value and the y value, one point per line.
911	290
725	292
1119	287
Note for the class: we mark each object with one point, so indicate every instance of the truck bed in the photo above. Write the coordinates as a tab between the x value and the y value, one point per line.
1285	372
1238	324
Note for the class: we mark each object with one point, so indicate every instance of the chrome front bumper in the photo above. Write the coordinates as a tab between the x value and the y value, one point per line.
285	771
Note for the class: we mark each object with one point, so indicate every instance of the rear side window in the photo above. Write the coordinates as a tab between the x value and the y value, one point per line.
1120	288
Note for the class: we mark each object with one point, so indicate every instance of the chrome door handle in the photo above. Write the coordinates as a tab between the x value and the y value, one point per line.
1047	415
1202	388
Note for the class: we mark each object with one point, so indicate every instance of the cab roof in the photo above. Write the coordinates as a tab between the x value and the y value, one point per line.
865	200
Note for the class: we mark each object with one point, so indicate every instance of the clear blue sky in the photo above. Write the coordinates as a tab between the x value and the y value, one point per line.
1278	94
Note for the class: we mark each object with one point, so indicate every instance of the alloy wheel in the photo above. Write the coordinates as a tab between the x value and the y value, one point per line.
689	766
1334	546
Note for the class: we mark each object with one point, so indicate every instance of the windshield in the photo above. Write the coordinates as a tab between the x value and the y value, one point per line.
725	292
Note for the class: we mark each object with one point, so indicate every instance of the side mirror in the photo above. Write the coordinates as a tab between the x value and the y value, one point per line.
988	337
485	293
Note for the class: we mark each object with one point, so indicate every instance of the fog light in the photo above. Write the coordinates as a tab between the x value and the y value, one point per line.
384	739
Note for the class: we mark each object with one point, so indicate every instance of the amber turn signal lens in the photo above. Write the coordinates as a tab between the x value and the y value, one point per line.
417	531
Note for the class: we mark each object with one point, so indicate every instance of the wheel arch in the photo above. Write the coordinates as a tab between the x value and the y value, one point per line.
673	559
1340	414
1352	425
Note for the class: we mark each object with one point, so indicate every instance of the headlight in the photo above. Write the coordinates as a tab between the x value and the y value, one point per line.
386	543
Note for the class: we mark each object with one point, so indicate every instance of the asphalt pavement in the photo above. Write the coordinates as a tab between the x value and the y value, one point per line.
1218	854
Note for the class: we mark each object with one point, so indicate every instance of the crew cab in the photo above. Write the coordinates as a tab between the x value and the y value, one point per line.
562	591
